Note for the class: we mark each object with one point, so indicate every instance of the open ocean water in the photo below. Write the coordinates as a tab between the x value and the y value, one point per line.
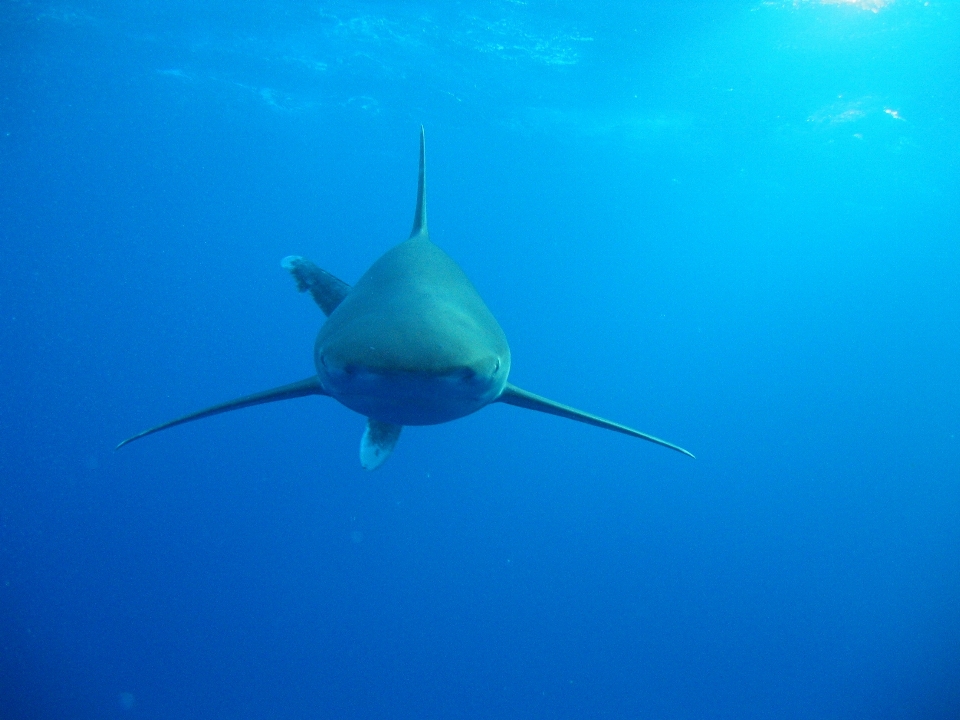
734	225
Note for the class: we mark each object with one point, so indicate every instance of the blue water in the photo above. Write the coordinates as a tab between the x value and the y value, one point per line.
733	225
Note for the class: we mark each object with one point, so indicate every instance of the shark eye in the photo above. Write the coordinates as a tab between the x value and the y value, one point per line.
496	366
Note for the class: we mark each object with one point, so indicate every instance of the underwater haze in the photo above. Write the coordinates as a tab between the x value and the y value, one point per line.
732	224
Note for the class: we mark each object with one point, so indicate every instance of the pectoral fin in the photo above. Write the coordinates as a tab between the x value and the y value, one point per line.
310	386
513	395
379	440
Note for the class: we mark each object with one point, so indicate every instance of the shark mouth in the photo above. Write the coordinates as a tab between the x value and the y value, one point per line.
410	398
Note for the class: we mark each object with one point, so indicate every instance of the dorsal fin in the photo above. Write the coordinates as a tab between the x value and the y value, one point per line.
420	214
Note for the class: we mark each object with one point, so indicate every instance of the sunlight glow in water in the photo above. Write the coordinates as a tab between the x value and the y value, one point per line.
871	5
874	6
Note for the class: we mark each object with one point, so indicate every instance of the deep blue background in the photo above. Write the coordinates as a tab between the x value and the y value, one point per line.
730	224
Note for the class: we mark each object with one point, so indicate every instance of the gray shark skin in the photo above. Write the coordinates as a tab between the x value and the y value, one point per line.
412	343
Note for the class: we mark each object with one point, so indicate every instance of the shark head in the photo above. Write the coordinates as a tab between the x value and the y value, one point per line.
413	343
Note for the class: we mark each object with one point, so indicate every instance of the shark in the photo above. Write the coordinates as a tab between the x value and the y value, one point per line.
411	343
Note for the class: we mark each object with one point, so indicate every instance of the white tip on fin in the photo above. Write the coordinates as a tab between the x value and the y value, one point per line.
379	440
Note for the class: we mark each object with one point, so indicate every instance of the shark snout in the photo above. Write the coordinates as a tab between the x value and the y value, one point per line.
411	395
487	370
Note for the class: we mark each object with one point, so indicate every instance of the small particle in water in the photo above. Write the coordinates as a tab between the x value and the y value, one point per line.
356	536
127	700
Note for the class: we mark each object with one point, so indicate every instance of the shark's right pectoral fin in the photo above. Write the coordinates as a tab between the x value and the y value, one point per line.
310	386
512	395
327	290
379	440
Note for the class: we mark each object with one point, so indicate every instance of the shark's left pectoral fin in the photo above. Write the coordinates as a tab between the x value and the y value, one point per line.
379	440
513	395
